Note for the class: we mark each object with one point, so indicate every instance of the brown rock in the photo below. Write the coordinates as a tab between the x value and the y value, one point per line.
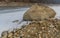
39	12
39	29
42	29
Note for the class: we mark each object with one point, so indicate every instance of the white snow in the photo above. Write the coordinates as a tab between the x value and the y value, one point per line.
9	15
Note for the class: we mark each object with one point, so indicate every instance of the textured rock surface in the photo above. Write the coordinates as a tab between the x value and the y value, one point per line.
39	12
36	29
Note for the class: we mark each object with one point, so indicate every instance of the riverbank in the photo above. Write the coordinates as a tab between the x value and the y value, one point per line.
20	4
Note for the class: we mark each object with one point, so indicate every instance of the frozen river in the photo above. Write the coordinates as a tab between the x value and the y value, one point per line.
7	15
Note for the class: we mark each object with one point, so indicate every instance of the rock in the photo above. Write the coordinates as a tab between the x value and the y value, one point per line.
42	29
39	12
49	28
4	34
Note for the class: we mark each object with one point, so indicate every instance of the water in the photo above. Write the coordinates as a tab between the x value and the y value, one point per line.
11	9
57	1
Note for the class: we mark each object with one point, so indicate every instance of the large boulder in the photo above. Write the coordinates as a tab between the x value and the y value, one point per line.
39	12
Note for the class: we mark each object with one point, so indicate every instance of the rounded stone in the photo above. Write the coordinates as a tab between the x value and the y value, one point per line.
39	12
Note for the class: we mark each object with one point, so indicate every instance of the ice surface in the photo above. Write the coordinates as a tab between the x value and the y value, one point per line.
9	15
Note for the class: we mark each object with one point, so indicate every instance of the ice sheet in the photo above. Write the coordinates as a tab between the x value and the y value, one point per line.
9	15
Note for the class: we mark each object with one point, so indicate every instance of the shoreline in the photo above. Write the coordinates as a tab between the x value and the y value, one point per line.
21	4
